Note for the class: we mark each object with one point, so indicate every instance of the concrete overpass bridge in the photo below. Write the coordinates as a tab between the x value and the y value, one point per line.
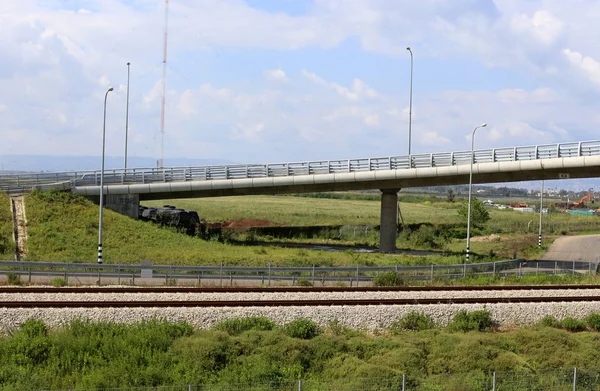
126	187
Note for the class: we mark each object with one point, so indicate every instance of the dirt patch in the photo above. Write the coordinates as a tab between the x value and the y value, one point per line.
244	224
489	238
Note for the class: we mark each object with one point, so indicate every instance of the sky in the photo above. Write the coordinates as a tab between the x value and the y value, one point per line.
257	81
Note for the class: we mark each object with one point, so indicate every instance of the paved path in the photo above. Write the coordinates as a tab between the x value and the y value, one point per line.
574	248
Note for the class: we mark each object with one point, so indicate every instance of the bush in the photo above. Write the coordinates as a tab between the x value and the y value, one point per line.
549	321
593	321
58	282
302	328
468	321
239	325
389	279
14	279
303	282
413	321
572	324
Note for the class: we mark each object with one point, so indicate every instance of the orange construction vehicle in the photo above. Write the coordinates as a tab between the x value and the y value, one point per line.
581	202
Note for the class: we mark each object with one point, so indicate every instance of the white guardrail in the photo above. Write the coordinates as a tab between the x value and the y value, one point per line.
28	181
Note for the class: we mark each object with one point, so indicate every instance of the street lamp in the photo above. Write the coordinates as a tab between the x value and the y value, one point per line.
102	180
410	99
483	125
127	116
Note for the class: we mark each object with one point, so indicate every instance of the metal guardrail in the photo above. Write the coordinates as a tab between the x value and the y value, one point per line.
27	181
267	275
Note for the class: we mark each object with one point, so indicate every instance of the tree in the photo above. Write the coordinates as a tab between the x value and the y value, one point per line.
450	197
479	214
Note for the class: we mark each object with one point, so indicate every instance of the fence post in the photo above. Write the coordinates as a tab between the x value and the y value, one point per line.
403	382
313	275
494	381
357	276
464	269
575	379
190	387
221	275
537	270
520	269
432	273
494	269
299	384
573	267
269	273
555	266
590	268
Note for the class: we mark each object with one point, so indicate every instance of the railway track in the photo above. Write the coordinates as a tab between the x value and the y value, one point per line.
287	303
122	289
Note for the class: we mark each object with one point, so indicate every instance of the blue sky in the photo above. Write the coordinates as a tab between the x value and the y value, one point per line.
288	80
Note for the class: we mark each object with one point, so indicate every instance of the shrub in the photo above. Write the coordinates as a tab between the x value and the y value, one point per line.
413	321
239	325
14	279
58	282
302	328
549	321
572	324
468	321
593	320
389	279
303	282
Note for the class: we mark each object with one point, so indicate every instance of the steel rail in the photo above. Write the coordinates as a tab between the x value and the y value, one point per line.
88	290
288	303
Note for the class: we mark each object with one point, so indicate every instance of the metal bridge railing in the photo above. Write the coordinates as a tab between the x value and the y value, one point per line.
28	181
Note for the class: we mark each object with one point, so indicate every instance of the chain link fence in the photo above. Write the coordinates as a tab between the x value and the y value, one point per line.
562	379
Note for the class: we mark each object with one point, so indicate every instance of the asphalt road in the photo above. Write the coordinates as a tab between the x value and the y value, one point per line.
574	248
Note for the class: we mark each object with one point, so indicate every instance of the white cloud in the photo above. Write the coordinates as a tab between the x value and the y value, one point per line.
587	65
277	75
187	103
57	64
543	26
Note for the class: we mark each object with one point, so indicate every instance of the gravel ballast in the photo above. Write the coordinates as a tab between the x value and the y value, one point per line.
368	317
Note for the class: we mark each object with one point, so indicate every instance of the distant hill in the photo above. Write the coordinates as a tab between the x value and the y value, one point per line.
37	163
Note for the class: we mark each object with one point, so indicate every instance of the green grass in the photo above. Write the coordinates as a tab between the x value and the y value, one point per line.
63	227
7	246
326	211
84	355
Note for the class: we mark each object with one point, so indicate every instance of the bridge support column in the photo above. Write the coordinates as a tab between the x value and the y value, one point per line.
389	220
125	204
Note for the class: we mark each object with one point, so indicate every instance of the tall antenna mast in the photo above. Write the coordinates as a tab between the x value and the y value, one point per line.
164	88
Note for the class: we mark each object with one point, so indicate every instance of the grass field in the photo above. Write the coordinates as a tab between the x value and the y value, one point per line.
64	227
323	211
7	245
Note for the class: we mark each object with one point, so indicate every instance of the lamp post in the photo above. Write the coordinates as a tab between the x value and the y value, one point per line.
410	99
102	180
127	116
541	208
470	187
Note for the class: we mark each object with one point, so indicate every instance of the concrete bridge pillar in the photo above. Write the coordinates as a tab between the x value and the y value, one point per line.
125	204
389	220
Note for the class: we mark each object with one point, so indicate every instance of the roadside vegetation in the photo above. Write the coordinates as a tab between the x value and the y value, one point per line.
7	245
238	353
